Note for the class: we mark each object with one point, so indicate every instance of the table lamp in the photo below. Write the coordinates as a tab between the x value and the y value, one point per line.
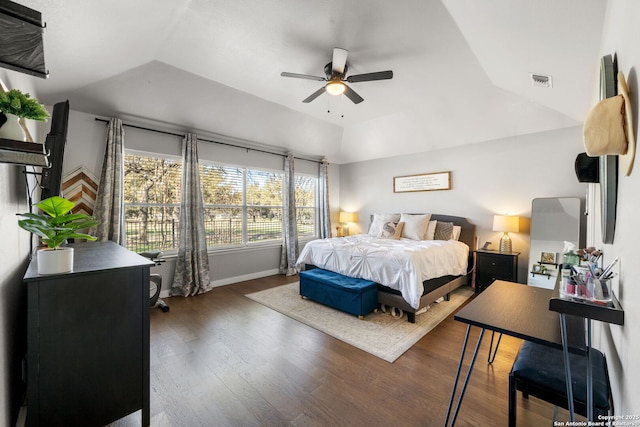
346	218
506	223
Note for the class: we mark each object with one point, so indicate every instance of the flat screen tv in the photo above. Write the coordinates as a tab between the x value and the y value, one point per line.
54	145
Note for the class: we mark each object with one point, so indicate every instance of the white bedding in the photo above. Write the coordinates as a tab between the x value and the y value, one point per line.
399	264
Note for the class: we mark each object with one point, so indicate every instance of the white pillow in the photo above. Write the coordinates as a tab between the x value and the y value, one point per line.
431	230
455	235
415	226
379	220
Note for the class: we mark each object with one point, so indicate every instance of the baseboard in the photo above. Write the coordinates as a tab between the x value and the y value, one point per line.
230	280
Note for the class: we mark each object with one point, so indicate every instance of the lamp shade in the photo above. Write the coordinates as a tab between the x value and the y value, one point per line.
347	217
506	223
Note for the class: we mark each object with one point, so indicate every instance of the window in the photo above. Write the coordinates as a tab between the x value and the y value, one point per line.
264	206
306	205
152	202
242	206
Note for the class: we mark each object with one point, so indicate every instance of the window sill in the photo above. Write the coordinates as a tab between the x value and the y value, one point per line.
251	247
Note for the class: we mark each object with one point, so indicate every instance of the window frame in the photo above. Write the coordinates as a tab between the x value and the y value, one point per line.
244	207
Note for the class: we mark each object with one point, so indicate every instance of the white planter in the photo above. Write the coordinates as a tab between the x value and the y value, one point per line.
12	129
55	261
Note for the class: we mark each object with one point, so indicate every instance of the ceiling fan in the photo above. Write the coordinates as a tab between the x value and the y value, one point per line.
336	72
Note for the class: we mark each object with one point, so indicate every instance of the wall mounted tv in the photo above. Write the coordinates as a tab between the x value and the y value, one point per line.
21	39
54	145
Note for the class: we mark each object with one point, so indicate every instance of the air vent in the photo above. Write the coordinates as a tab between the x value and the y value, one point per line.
541	80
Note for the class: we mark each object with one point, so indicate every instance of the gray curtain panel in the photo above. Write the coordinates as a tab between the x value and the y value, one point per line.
109	208
192	265
290	228
324	214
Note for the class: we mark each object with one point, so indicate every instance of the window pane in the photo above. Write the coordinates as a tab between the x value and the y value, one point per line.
306	205
152	228
264	224
151	180
223	226
152	198
264	188
221	185
306	222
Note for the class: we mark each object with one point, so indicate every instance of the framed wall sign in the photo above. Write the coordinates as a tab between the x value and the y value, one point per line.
422	182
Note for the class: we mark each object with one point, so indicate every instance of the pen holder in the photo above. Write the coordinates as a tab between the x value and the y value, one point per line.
591	289
599	289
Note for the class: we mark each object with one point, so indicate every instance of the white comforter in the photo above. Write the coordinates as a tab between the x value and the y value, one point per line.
399	264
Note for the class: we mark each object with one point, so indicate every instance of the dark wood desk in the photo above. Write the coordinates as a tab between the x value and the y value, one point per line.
517	310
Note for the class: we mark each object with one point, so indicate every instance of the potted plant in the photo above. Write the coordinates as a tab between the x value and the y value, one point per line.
54	227
15	105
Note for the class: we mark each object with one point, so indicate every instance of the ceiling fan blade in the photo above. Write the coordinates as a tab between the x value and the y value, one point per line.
380	75
303	76
314	95
339	60
352	95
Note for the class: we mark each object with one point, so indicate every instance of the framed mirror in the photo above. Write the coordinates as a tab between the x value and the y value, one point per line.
608	164
554	220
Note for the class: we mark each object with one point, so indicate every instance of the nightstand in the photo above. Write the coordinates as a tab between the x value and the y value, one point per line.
494	265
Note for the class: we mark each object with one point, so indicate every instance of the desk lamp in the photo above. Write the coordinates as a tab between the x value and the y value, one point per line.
346	218
506	223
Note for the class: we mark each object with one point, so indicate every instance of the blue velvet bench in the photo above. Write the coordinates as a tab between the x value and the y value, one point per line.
348	294
539	371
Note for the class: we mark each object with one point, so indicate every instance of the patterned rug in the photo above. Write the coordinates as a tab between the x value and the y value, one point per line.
379	333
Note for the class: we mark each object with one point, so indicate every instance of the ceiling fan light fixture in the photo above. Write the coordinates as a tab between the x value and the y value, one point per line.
335	87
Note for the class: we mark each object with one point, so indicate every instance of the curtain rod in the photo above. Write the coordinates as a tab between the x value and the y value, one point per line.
207	140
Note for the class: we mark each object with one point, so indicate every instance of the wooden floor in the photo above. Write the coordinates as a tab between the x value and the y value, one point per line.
221	359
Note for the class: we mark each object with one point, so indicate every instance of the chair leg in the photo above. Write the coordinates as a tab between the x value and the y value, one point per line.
512	401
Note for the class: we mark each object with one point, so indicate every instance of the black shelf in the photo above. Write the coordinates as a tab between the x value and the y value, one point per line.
23	153
610	312
541	274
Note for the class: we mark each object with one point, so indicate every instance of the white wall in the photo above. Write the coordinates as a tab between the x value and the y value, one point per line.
621	344
495	177
14	254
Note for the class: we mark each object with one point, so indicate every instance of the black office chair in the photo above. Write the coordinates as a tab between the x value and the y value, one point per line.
539	371
155	283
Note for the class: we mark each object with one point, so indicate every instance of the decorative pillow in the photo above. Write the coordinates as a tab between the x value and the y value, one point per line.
379	220
414	225
444	230
431	230
455	235
391	230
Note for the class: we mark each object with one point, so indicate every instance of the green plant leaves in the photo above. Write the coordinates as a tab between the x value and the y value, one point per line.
57	224
55	206
22	105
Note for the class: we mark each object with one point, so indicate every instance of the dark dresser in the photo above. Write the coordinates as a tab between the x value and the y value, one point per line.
493	265
88	339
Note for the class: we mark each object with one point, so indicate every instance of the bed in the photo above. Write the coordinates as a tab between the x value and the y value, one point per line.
411	273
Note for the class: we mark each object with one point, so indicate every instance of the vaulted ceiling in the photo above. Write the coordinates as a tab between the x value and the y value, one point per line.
461	68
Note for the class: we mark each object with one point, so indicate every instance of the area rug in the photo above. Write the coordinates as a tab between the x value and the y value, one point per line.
380	334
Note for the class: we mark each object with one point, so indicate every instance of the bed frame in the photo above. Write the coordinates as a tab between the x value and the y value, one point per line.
434	288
